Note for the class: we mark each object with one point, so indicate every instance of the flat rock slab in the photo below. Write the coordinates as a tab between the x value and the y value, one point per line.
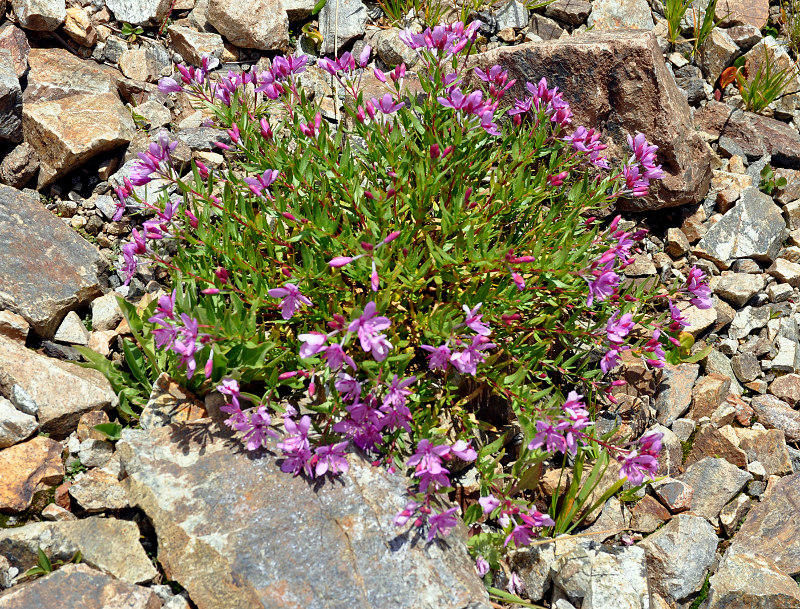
772	528
26	468
46	269
756	135
774	413
78	586
714	482
107	544
56	73
62	391
617	81
235	531
751	581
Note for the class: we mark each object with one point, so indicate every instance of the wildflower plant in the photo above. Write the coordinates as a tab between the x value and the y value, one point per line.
373	286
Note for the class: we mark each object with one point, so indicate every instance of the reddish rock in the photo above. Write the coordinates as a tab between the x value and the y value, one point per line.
774	413
26	468
708	394
675	391
648	514
617	81
676	495
61	497
709	442
756	135
743	12
787	388
768	447
14	40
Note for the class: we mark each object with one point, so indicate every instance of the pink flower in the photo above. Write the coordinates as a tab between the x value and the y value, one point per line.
602	287
442	523
489	504
368	326
618	327
439	358
330	458
312	343
473	320
481	566
292	299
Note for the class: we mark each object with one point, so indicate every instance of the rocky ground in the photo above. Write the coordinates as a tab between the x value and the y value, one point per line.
158	515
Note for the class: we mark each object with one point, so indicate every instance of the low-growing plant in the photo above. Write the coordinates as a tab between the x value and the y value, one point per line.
766	85
419	283
769	184
703	27
45	566
674	12
131	32
790	24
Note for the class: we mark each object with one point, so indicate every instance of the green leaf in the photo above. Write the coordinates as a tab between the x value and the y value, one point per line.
318	7
112	431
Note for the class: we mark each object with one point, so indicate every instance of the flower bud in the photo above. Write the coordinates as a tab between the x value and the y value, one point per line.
392	236
340	261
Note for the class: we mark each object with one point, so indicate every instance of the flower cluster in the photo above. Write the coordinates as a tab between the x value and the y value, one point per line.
641	462
180	333
471	356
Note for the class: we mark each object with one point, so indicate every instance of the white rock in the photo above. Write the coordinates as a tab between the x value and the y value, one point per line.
15	426
40	15
23	401
72	330
106	313
139	12
352	20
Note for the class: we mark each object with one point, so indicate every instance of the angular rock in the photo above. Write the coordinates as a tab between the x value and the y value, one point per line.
98	491
675	392
716	54
227	552
10	100
146	63
19	166
786	272
676	495
754	13
13	326
733	514
768	447
679	556
107	544
258	24
79	586
78	26
714	482
191	44
756	135
738	288
648	514
139	12
746	367
698	319
751	581
787	388
14	40
718	363
391	49
62	391
26	468
56	73
40	15
544	28
708	394
68	132
95	453
754	228
774	413
352	20
624	581
771	528
620	14
571	12
645	100
709	442
106	313
72	330
170	403
15	426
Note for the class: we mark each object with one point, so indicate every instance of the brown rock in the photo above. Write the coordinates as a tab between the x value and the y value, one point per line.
787	388
13	326
744	412
756	135
709	442
14	40
262	24
571	12
743	12
772	528
648	514
78	26
61	496
63	391
68	132
708	394
19	166
57	73
675	391
774	413
98	491
26	468
768	447
714	482
732	514
79	586
643	98
87	422
750	581
676	495
170	403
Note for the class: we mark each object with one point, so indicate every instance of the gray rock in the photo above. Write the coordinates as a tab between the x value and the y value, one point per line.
106	313
774	413
259	24
746	367
62	391
624	580
106	543
675	392
202	138
391	50
535	565
10	100
40	15
747	320
139	12
115	47
72	331
714	482
512	15
545	28
146	63
22	401
768	447
750	580
227	552
95	453
15	426
352	20
98	491
717	53
154	114
79	586
718	363
771	528
679	556
571	12
620	14
785	271
753	228
738	288
192	45
19	166
45	268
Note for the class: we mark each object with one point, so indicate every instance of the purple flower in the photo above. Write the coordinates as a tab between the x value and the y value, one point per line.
695	285
169	85
368	326
466	361
398	390
345	63
602	287
258	429
442	523
330	458
678	320
473	320
427	463
618	327
515	584
261	183
295	446
610	360
489	504
348	387
439	358
404	515
550	436
463	451
481	566
635	467
292	299
336	357
521	534
386	104
312	343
